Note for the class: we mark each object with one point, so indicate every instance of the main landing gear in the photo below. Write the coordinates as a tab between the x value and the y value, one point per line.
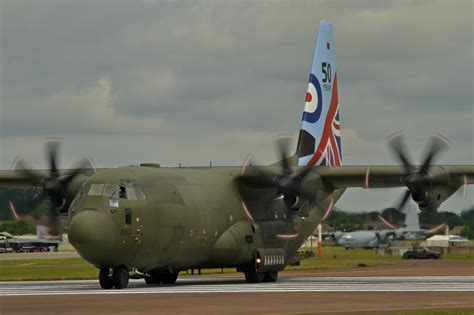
253	276
113	277
155	277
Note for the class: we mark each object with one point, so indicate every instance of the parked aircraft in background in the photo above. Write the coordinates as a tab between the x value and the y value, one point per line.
382	238
10	243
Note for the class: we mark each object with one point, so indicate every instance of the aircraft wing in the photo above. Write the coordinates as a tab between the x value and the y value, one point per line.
17	180
392	176
21	180
429	190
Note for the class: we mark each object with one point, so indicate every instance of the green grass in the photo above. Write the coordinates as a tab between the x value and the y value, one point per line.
458	256
76	268
46	269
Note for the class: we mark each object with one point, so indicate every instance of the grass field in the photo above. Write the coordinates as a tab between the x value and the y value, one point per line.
77	268
46	269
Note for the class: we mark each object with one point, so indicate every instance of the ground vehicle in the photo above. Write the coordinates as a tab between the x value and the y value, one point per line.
421	253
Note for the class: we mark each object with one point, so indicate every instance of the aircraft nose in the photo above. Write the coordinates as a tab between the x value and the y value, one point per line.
94	235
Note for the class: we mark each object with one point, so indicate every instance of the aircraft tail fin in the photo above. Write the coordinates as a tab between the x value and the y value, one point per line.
319	141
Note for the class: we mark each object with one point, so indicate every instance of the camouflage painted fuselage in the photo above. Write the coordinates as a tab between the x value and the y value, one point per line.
188	218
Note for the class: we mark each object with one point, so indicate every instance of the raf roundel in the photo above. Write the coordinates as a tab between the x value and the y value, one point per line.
313	105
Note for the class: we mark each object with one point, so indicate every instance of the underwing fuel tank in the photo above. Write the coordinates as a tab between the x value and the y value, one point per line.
235	246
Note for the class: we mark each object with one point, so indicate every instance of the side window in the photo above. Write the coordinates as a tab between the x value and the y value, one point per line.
110	190
130	190
122	194
130	193
96	190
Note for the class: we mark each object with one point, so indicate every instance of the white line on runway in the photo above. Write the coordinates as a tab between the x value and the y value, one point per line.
238	285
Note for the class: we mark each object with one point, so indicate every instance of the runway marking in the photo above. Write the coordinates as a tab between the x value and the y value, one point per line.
238	285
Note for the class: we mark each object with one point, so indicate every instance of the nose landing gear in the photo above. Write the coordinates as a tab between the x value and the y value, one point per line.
113	277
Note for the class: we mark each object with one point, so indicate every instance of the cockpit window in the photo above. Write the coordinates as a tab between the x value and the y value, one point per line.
128	189
128	182
96	189
110	190
130	193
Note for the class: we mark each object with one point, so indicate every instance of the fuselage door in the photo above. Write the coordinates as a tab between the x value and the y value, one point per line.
129	203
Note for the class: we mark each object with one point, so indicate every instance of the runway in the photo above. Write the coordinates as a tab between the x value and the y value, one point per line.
238	285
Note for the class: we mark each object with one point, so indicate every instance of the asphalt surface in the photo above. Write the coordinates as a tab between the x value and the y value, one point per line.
238	285
230	295
412	286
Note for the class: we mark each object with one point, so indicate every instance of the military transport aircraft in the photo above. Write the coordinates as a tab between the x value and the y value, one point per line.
381	238
157	221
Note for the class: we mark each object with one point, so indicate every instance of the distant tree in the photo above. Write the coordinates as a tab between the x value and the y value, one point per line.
17	228
468	232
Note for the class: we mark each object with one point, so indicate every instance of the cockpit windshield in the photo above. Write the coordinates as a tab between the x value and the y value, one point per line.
128	189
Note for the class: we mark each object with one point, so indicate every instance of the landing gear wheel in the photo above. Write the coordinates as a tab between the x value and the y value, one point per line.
270	276
252	276
153	278
169	278
105	280
120	277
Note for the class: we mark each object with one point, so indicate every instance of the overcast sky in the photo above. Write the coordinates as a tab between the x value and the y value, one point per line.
193	81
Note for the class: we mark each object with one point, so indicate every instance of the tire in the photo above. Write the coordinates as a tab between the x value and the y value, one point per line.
120	277
270	276
252	276
152	279
105	280
169	278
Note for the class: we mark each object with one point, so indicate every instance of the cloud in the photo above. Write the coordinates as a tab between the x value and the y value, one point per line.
89	110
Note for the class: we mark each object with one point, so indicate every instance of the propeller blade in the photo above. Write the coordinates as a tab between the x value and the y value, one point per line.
54	225
463	189
52	148
397	144
27	206
259	178
283	145
403	201
438	144
76	171
23	168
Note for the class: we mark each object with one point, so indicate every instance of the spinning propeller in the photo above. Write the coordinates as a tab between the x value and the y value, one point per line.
55	186
288	184
418	180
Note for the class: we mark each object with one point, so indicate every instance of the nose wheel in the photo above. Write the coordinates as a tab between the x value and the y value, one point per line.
116	277
105	279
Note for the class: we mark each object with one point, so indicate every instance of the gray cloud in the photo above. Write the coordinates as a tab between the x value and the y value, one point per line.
194	81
